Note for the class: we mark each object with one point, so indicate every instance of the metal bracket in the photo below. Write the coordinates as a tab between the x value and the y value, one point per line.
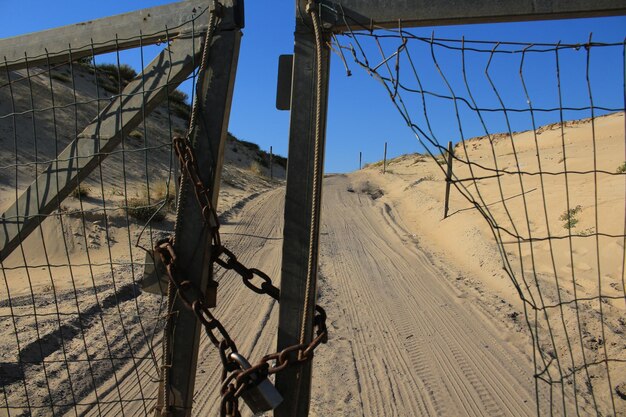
283	87
330	13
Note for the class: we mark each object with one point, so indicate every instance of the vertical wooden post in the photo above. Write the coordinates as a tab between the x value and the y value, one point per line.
271	164
360	160
302	215
193	244
448	179
385	160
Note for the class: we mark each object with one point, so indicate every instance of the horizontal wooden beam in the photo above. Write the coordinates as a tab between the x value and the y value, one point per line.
387	13
170	68
124	31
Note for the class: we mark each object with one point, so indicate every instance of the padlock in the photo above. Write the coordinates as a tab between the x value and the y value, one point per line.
261	395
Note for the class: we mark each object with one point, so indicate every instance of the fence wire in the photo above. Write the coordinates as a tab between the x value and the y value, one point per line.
532	124
79	334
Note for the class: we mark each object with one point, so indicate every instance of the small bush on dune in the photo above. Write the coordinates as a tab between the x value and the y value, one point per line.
256	169
85	61
252	146
138	208
111	77
163	191
162	198
127	73
280	160
178	96
178	104
135	134
80	192
622	168
569	217
263	160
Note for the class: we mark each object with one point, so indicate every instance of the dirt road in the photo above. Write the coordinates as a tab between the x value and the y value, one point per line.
403	342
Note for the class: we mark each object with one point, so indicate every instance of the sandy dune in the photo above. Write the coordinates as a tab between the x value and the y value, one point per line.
576	284
423	318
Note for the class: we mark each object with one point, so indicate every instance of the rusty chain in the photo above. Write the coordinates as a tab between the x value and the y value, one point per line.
235	380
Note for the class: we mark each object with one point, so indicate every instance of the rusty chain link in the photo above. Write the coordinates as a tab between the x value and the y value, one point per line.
192	297
235	380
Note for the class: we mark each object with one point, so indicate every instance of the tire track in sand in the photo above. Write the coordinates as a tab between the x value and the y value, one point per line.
402	342
439	357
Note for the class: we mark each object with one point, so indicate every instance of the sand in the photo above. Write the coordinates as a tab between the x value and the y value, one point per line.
423	319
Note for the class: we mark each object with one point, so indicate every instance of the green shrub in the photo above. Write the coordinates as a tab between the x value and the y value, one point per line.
110	69
256	169
178	104
569	217
182	110
622	168
127	73
80	193
162	199
140	209
252	146
86	61
178	96
111	77
164	192
263	159
280	160
135	134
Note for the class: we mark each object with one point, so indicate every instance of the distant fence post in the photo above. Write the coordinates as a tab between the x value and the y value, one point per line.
271	164
385	160
360	159
448	179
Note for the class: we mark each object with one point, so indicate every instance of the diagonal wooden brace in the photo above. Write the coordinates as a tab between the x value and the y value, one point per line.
125	112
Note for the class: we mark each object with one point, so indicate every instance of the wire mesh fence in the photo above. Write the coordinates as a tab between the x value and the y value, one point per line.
539	153
80	336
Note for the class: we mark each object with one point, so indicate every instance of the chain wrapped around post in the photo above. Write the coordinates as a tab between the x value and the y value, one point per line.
236	378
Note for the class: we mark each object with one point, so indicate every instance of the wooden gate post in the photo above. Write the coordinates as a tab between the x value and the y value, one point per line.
302	215
193	240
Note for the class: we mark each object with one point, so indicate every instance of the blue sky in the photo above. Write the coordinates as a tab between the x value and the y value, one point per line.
361	117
